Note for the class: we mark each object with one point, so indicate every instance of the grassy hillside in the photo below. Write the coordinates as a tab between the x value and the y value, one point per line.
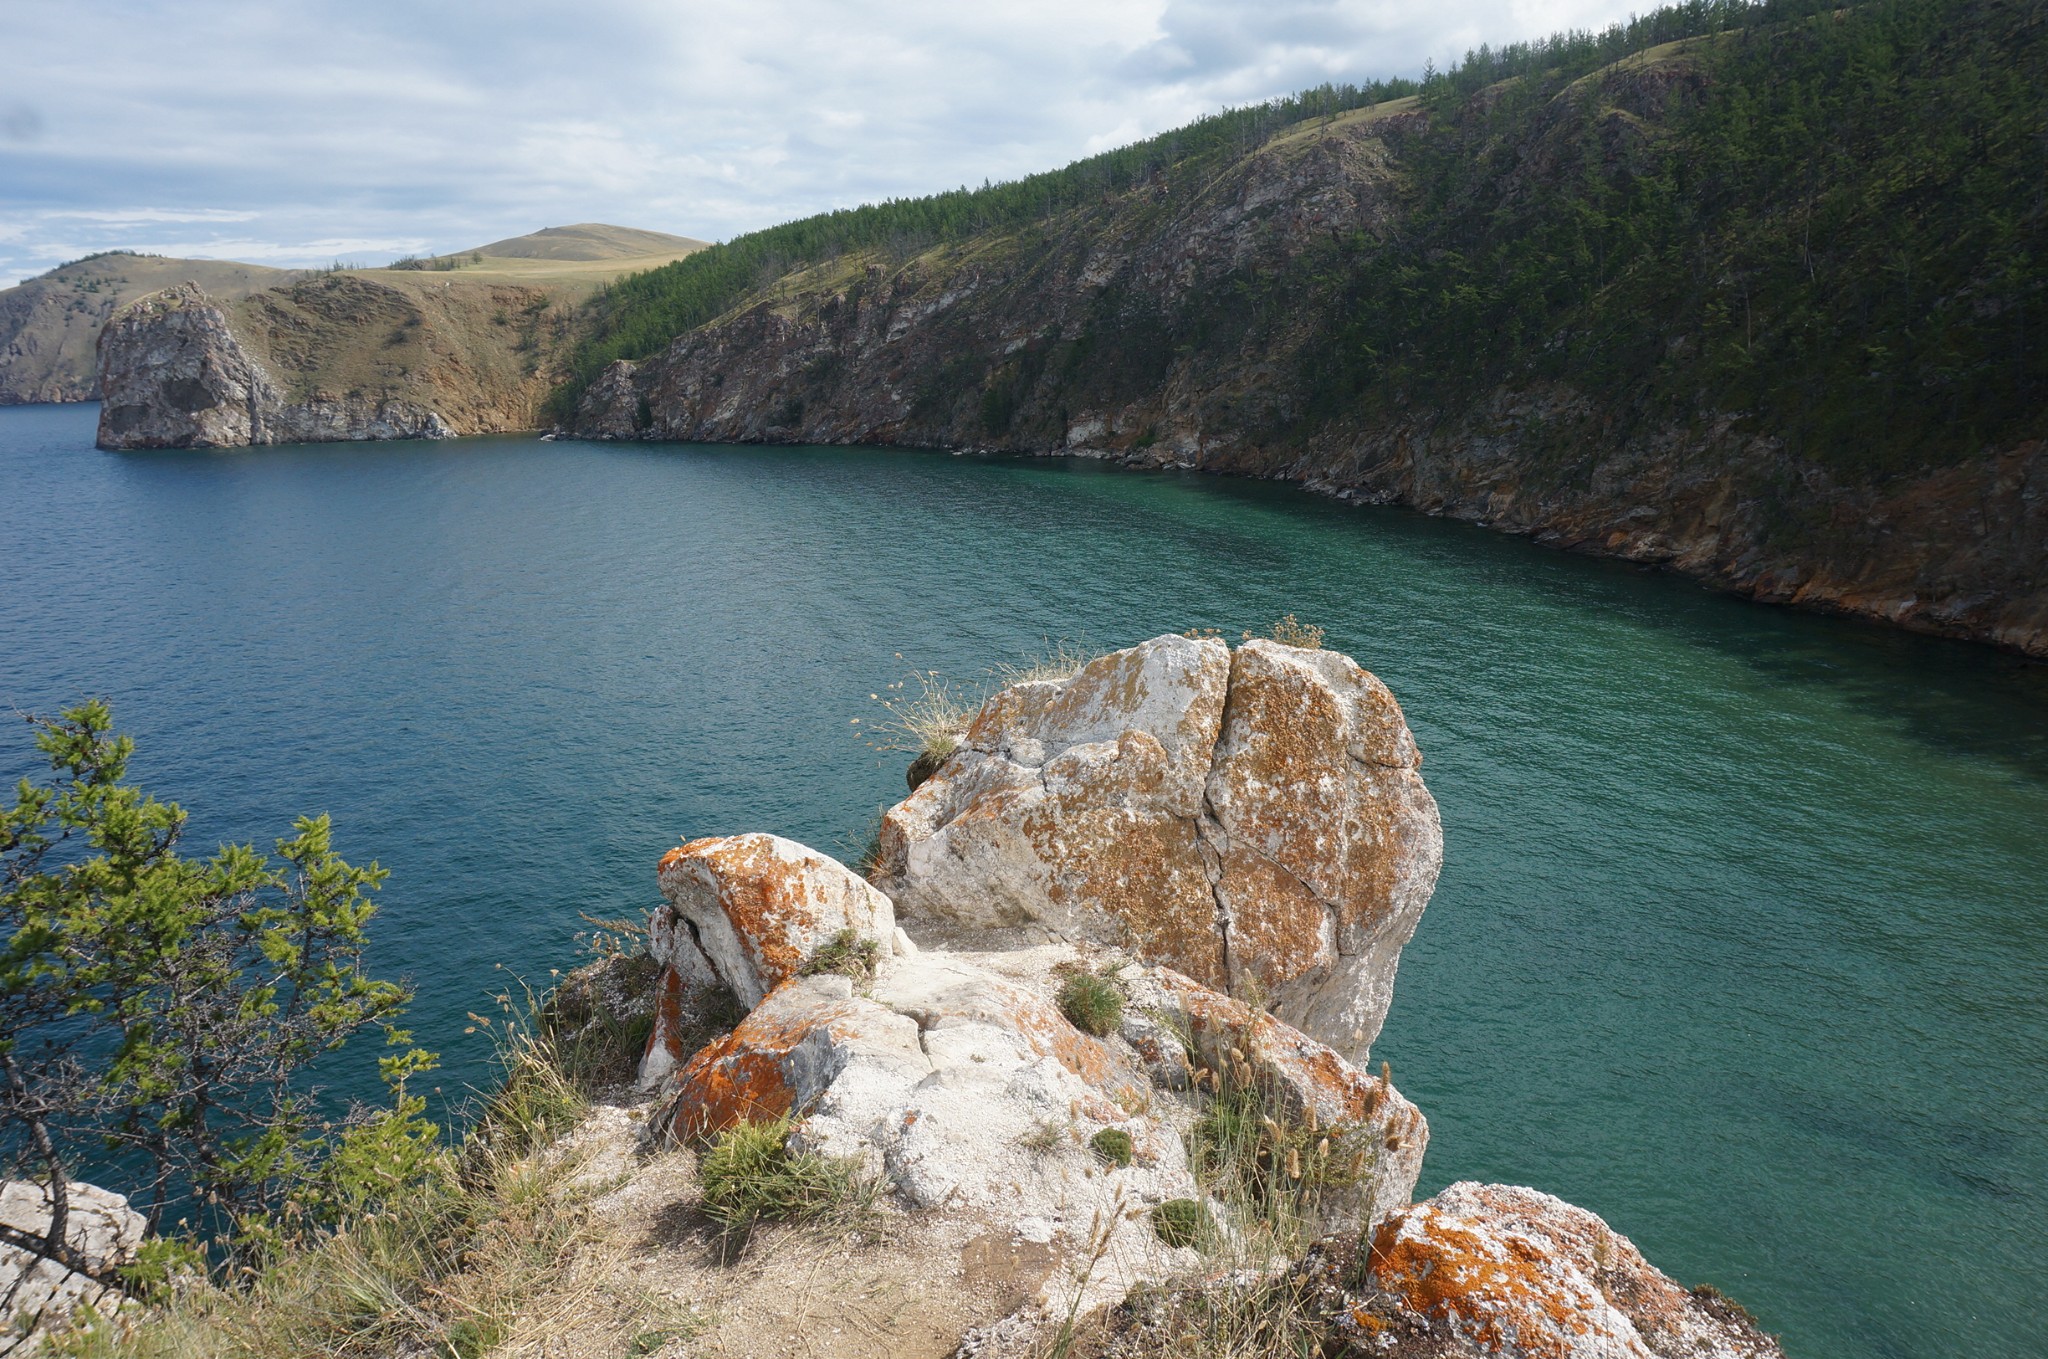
49	325
1825	222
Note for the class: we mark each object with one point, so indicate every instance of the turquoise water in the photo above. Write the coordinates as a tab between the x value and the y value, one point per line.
1742	938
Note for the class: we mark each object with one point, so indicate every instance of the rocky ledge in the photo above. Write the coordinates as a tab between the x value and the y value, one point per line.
1232	845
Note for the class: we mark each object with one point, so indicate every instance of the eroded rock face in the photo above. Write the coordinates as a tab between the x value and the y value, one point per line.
174	374
1255	820
1510	1273
100	1228
752	910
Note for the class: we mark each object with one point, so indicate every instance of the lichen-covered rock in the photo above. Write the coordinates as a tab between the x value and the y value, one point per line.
964	1091
1499	1272
1302	1082
753	910
38	1294
1254	820
1329	844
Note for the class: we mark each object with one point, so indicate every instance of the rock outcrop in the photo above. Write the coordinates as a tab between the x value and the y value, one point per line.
173	374
39	1295
1485	1270
1055	1074
955	1078
1253	819
330	358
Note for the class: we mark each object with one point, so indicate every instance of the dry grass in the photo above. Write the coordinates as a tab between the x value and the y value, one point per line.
927	715
445	1269
1060	660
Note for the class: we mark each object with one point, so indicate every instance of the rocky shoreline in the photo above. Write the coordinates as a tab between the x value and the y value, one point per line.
1095	1035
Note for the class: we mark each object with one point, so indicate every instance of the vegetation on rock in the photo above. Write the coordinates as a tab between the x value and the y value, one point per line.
1091	1004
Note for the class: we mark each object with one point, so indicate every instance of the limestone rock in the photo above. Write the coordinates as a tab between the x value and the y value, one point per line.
99	1226
752	910
965	1092
1303	1082
1254	820
1329	843
173	375
1503	1272
1074	804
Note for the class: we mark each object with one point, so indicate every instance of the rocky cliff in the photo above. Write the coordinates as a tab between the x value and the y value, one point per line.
1579	309
330	358
49	326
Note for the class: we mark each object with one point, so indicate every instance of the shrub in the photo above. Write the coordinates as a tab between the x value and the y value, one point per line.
750	1175
167	1013
848	955
1182	1222
1091	1003
1114	1146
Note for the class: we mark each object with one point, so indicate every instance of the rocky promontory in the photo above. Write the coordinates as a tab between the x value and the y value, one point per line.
1104	1015
1079	1070
330	358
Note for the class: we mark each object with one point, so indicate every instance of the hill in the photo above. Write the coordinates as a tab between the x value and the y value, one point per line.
1752	290
49	325
590	241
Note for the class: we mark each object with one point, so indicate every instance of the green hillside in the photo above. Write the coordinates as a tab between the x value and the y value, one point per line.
1828	220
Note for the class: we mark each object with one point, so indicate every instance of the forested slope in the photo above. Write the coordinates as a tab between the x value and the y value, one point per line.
1753	289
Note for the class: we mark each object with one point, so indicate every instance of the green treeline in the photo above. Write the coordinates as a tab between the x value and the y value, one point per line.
639	314
1833	223
1827	221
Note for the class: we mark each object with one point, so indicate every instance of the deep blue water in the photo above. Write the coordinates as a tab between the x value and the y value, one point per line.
1742	937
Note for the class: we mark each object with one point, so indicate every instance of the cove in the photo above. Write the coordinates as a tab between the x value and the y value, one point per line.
1742	937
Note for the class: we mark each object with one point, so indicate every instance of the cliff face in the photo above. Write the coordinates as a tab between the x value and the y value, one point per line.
50	325
332	358
1207	323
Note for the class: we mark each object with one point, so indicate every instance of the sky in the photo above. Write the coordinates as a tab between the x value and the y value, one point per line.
298	132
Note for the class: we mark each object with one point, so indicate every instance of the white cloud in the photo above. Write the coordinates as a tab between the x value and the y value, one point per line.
367	127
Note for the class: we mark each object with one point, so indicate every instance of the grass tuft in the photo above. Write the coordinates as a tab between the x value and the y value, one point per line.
1291	631
750	1175
1091	1003
1183	1222
1060	660
847	955
1114	1146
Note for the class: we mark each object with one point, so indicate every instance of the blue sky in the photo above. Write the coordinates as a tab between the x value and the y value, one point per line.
294	132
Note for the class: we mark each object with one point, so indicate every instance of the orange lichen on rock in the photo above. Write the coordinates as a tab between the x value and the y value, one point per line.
1501	1270
760	907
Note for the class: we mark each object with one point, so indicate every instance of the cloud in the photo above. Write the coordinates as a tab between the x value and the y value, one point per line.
307	123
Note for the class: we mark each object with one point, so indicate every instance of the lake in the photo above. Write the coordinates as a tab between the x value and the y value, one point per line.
1742	936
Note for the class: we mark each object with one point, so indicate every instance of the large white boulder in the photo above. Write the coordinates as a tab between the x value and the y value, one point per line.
1254	819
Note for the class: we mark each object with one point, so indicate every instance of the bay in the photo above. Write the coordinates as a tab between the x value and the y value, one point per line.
1742	937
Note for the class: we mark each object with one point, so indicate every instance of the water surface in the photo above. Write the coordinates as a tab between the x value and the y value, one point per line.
1742	937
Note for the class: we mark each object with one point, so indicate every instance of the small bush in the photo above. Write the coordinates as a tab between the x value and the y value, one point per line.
1114	1146
750	1175
1182	1222
1291	631
1091	1004
848	955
